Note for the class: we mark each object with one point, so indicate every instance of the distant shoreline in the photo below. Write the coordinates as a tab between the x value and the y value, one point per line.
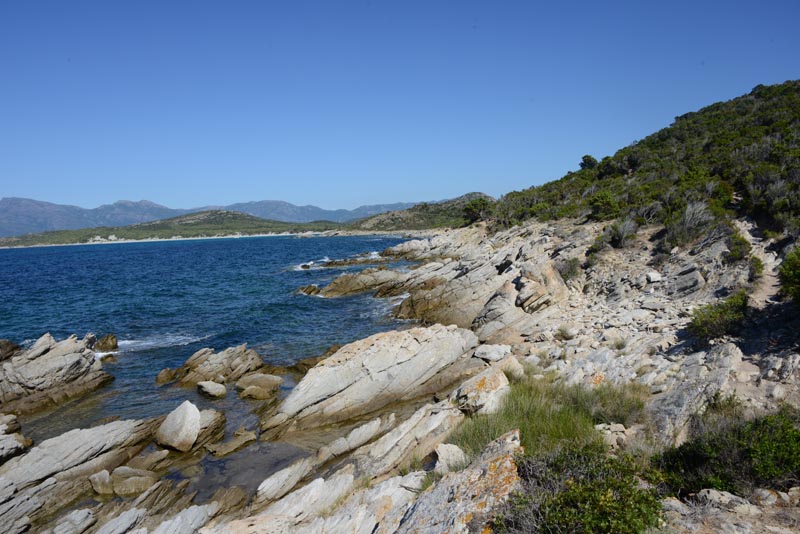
326	233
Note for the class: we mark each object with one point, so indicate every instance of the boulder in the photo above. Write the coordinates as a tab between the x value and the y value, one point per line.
256	393
49	373
12	442
465	501
101	483
107	343
180	429
368	374
310	290
261	380
448	458
207	365
212	389
482	394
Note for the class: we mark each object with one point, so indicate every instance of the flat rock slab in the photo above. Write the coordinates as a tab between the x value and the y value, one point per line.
368	374
212	389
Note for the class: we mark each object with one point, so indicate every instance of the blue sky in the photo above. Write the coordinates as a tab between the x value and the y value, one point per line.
343	103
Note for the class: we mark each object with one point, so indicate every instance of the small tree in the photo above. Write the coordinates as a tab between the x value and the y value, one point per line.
790	274
477	209
588	162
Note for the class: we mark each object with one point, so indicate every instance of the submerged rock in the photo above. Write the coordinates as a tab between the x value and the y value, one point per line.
49	373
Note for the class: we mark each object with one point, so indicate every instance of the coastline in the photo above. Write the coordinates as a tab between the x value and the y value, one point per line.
411	234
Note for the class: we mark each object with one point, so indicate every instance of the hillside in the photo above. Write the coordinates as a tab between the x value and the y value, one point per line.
203	224
20	216
448	213
740	156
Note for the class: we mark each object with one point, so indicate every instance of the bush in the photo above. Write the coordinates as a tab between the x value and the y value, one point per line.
689	225
719	319
756	268
737	457
738	248
569	269
580	490
621	232
790	274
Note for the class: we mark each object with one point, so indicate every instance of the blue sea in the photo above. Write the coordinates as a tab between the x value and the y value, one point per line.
165	300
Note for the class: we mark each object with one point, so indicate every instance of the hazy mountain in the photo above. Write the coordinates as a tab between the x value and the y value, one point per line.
22	215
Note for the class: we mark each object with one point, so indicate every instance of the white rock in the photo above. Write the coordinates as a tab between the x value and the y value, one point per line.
483	393
448	458
212	389
181	427
653	277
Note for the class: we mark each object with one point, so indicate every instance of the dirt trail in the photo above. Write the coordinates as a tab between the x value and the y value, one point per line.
767	287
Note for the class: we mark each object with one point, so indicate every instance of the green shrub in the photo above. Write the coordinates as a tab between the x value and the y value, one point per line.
790	274
738	248
579	490
719	319
756	268
737	457
569	269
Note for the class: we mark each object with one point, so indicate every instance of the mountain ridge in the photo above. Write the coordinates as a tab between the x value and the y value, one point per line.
19	216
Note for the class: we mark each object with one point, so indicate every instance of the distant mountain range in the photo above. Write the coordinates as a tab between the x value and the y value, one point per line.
20	216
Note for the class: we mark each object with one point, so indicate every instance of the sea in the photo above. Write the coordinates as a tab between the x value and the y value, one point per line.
165	300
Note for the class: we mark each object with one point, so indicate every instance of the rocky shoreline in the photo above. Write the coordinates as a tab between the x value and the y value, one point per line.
488	307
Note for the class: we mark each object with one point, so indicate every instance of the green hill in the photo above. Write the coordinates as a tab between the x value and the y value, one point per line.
445	214
740	156
203	224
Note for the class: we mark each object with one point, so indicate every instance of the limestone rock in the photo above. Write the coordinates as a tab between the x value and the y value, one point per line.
468	497
12	442
240	438
181	427
448	458
283	481
107	343
188	521
261	380
212	389
482	394
101	483
492	353
228	365
311	290
49	373
368	374
416	436
76	522
127	481
257	393
375	510
355	438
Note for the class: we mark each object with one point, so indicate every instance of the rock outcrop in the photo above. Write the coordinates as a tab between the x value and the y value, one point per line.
49	373
464	501
206	365
366	375
12	442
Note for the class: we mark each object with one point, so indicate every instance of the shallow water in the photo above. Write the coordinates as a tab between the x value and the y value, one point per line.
166	300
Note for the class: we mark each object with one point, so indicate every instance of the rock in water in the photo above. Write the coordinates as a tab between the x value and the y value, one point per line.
205	364
180	429
212	389
49	373
107	343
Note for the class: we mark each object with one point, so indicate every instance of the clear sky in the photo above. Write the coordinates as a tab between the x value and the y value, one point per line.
342	103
